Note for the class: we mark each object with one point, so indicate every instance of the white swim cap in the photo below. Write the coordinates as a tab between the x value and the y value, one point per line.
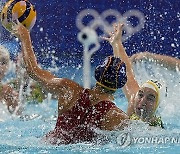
156	86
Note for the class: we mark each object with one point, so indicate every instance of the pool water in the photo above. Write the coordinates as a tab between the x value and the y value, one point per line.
23	135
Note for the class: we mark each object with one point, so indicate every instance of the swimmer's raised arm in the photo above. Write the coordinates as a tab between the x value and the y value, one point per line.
131	87
167	61
49	82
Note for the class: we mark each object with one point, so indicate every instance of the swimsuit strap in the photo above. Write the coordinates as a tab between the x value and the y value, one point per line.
134	117
157	122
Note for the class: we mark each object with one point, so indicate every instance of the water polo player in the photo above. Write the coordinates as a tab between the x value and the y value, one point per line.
8	95
80	110
142	100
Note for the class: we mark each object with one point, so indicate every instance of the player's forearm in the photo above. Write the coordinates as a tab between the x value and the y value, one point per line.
30	60
131	85
119	51
28	53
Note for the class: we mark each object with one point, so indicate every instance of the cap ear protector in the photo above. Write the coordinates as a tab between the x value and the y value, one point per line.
111	74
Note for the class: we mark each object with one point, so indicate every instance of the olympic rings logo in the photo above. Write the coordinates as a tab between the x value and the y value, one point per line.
100	21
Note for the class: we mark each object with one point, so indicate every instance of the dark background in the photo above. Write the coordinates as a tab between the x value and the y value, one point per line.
57	18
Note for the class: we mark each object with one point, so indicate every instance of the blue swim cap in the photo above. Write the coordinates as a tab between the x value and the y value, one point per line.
111	74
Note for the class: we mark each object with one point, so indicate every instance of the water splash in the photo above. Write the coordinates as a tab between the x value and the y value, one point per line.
169	107
25	134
